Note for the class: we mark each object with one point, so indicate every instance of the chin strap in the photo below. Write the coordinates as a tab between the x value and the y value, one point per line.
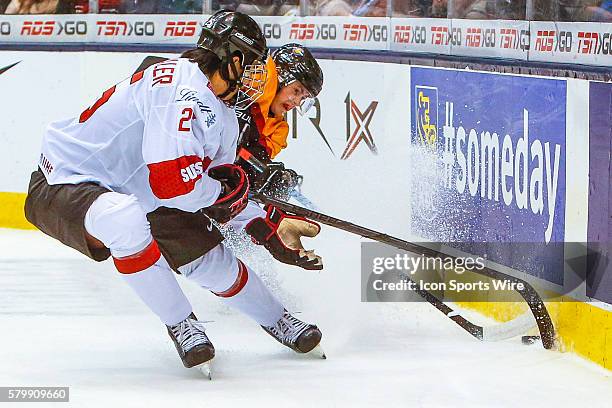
232	87
233	84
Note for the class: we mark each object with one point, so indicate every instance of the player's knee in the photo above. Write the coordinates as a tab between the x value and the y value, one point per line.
242	276
218	270
120	222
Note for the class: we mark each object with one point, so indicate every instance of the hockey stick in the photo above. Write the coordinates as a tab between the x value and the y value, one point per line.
302	199
506	330
261	167
535	303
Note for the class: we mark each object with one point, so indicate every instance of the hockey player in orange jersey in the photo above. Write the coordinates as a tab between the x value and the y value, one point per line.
294	79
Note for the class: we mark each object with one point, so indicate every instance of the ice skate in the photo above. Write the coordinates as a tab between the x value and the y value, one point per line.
297	335
192	344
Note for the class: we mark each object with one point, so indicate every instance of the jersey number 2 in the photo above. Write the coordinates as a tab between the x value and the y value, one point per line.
186	116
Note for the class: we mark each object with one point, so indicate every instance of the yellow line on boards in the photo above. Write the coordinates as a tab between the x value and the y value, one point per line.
582	328
11	211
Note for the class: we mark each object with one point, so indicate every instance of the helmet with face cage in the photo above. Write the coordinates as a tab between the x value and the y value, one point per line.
228	34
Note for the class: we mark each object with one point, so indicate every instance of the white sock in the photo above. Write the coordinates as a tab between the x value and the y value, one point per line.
157	287
119	221
218	271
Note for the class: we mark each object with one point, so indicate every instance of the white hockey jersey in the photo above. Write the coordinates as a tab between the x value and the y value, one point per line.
154	135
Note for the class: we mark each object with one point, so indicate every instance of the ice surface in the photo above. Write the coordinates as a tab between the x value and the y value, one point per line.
68	321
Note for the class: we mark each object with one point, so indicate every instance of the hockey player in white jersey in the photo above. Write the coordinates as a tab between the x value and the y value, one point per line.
139	174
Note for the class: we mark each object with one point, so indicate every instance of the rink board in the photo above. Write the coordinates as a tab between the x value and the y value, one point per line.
362	134
557	42
477	133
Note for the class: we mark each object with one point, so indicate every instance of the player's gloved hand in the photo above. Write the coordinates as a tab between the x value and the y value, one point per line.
280	233
234	194
279	182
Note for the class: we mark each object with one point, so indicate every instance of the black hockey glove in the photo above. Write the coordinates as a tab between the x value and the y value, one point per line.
280	233
234	194
277	181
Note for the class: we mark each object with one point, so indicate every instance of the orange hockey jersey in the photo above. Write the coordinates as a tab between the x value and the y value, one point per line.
272	131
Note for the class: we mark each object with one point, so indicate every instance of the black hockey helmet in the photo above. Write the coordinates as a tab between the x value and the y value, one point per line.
231	33
295	63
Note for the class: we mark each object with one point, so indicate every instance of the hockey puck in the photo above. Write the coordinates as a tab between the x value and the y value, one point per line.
529	339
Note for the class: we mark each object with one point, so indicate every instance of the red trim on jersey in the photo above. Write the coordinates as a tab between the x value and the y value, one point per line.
139	261
87	113
241	281
137	77
177	177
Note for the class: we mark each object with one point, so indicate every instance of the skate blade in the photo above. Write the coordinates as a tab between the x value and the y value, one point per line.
318	352
205	369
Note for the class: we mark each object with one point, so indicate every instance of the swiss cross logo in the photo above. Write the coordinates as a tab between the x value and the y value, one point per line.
362	132
43	28
180	28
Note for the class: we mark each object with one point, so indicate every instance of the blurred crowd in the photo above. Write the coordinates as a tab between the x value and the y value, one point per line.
553	10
